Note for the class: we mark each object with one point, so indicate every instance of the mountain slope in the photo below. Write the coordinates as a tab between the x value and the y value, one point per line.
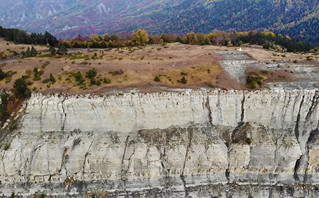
67	18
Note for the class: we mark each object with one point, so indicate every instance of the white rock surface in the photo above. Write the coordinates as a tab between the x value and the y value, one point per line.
162	140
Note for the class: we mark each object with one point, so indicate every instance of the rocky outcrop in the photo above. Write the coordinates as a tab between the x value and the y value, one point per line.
171	143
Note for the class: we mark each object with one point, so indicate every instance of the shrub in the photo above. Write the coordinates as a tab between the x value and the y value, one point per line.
8	79
52	79
6	75
92	81
21	88
37	78
62	50
183	73
309	58
78	77
157	79
106	81
91	73
98	82
29	83
52	50
252	80
45	64
183	80
117	72
3	56
37	73
2	74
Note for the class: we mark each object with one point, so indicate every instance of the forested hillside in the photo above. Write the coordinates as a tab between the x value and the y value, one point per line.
67	18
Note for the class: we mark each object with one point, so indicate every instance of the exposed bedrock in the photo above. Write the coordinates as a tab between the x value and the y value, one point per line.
170	143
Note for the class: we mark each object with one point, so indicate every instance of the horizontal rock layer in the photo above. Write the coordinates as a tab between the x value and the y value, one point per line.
168	141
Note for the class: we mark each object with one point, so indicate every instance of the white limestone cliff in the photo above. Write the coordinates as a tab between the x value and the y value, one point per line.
162	140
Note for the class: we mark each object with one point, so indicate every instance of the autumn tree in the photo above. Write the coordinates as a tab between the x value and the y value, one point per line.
202	39
140	38
191	38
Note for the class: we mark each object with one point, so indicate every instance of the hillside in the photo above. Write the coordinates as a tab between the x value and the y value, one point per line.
173	120
67	18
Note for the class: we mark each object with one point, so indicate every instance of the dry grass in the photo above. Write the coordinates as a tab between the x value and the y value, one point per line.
8	48
140	66
198	64
266	55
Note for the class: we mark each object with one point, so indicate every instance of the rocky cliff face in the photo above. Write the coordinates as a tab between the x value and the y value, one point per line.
198	144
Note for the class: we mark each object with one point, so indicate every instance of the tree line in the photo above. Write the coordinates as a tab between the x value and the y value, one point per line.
268	40
23	37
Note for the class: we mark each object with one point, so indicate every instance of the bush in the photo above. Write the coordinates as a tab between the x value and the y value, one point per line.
183	80
45	64
309	58
52	50
93	81
183	74
117	72
37	73
3	56
46	80
252	80
6	75
91	73
37	78
2	74
21	88
157	79
106	81
52	79
62	50
8	79
98	82
78	77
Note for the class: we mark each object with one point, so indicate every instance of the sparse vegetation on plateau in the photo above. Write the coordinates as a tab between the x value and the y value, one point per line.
254	80
30	52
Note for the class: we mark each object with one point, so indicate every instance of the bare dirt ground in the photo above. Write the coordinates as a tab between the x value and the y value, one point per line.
267	55
132	68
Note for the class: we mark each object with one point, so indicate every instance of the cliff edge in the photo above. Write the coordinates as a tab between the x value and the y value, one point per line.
193	144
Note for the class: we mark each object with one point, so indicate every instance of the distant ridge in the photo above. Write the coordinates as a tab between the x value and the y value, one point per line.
67	18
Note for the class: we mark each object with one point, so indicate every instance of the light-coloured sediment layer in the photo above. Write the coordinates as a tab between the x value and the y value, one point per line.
163	140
